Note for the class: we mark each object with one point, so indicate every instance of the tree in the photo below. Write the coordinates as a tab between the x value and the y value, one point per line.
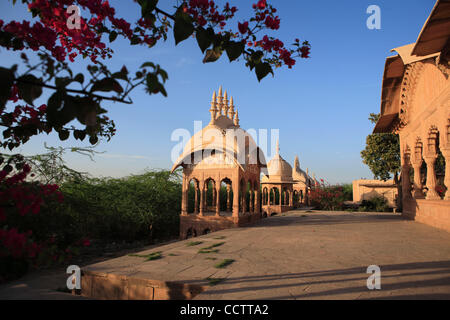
382	155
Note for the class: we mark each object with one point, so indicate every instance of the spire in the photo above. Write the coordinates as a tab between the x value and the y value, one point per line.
231	109
236	119
296	162
225	103
220	100
278	147
213	109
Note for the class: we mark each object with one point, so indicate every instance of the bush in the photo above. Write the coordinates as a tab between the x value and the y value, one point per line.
136	208
376	204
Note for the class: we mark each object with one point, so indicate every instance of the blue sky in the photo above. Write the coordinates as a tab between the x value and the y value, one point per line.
320	106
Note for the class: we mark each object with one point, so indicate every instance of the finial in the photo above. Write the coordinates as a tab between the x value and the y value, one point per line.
220	91
225	103
236	119
296	162
213	109
231	110
220	101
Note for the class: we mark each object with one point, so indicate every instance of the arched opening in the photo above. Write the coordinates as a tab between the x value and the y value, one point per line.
191	233
226	195
210	195
277	196
206	231
272	196
296	198
193	196
264	214
265	196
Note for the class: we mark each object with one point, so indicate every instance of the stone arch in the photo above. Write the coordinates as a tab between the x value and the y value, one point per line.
193	195
191	233
226	195
210	194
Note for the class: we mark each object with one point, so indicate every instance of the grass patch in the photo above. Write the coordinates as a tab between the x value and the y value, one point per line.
224	263
219	237
211	258
214	281
172	254
148	257
194	243
210	249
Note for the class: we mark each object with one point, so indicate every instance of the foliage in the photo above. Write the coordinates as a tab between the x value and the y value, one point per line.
224	263
382	153
330	197
141	207
376	204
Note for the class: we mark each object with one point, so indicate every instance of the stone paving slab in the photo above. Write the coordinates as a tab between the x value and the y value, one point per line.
305	255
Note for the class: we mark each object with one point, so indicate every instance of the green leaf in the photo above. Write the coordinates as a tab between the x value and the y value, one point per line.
79	78
183	27
29	91
122	74
79	134
262	70
93	139
148	64
152	82
63	134
204	38
212	55
147	7
113	36
6	82
234	50
62	82
107	84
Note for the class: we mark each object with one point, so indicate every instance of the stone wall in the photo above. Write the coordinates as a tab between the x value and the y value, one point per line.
367	189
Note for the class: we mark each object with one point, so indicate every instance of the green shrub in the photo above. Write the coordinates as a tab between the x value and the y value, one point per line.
376	204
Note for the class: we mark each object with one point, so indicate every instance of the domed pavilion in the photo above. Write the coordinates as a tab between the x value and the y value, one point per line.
221	173
277	187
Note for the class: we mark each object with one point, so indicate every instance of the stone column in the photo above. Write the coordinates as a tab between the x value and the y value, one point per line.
184	196
235	186
217	199
418	193
406	184
228	197
446	154
431	177
244	198
257	200
291	199
196	197
214	194
202	197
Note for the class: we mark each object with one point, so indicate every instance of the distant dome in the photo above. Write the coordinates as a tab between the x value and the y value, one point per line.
297	173
279	169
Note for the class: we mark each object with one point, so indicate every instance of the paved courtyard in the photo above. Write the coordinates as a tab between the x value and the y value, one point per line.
302	255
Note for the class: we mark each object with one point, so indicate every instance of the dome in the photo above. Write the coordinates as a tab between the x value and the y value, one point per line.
279	169
297	173
223	135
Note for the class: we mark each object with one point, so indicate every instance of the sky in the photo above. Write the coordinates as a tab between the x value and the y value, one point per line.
320	106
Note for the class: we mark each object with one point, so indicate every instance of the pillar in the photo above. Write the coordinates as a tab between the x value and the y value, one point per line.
418	193
244	198
446	154
235	186
257	199
431	177
202	197
406	184
217	199
184	196
228	197
196	198
291	198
